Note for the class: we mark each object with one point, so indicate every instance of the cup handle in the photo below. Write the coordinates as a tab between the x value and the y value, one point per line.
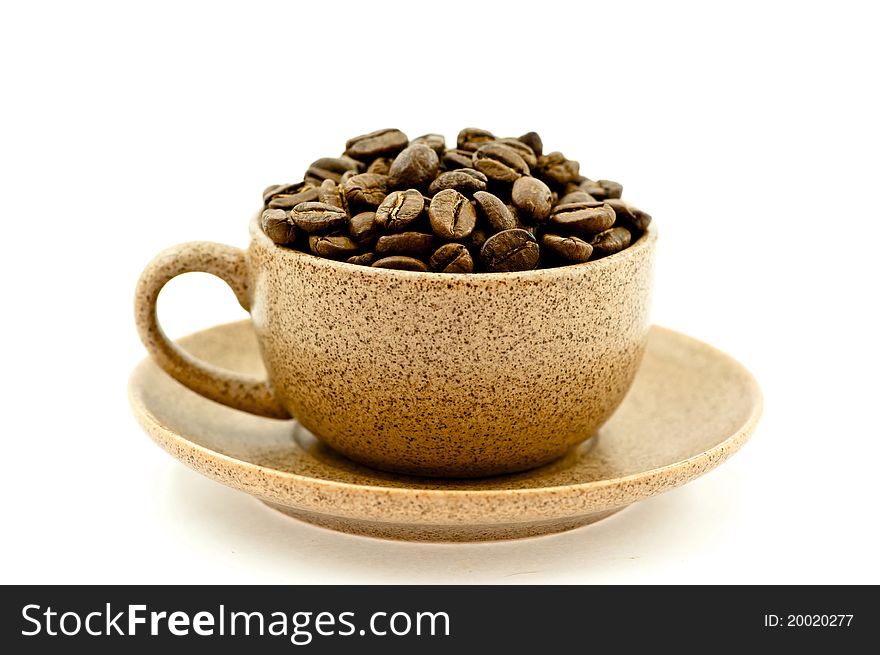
243	392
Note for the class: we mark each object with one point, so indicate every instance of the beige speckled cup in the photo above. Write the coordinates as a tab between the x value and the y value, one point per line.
425	373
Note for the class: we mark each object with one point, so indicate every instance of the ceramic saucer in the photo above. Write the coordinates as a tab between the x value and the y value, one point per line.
690	408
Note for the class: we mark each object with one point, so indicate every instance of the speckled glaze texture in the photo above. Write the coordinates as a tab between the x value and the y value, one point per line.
450	375
689	408
426	373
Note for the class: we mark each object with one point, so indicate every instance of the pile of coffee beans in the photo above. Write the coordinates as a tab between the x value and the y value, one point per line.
489	204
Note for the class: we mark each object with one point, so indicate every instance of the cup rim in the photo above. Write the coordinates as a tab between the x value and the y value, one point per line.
644	242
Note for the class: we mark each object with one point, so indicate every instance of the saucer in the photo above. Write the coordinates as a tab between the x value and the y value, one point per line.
690	408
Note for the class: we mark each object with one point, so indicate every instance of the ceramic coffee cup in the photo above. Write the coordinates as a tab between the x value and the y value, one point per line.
425	373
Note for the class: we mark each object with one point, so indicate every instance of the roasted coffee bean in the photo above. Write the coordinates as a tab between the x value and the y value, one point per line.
533	141
405	243
522	150
380	166
313	217
435	142
611	241
583	217
452	215
334	246
452	258
331	193
332	168
499	162
575	196
274	189
602	189
277	226
346	176
401	263
554	168
414	167
612	189
569	248
532	198
496	213
364	260
363	227
400	209
511	250
381	143
628	216
454	158
288	196
463	180
471	138
366	189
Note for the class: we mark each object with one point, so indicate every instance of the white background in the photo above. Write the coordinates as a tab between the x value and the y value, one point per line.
749	132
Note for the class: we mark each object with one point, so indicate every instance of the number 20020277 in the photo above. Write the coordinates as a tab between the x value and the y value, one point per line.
808	620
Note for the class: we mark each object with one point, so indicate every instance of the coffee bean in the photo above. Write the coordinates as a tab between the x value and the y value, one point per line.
611	241
453	159
363	227
380	166
602	189
275	189
331	193
277	226
381	143
366	189
499	162
628	216
287	196
554	168
452	258
346	176
332	168
522	150
452	215
435	142
400	209
471	138
364	260
533	141
313	217
463	180
496	213
415	167
511	250
569	248
334	246
532	198
575	196
612	189
405	243
401	263
583	217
